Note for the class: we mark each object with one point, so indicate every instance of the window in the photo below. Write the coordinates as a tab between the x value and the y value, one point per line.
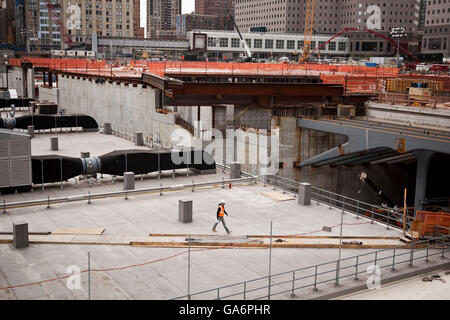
300	44
249	42
280	44
235	43
258	43
290	44
211	42
342	46
313	45
223	42
332	46
269	44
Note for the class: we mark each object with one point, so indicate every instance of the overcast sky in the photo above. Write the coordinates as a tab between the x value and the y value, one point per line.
188	6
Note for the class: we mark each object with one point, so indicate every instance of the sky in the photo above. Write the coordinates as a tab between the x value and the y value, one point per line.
187	6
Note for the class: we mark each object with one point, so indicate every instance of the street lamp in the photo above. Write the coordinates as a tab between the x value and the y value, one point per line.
6	70
398	33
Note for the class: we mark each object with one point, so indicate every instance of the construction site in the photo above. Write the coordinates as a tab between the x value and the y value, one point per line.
116	179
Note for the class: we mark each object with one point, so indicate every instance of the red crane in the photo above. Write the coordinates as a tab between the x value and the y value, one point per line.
345	30
65	36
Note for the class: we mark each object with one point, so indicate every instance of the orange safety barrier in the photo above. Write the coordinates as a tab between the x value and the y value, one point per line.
355	78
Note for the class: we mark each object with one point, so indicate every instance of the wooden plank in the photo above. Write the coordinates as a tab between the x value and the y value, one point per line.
277	196
79	231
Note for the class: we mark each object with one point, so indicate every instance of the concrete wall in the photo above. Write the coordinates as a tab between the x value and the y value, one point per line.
15	81
49	94
129	107
438	118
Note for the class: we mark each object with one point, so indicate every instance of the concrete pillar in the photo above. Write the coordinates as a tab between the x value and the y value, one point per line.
128	181
138	139
423	162
20	234
235	170
107	128
85	155
185	211
31	131
304	194
54	143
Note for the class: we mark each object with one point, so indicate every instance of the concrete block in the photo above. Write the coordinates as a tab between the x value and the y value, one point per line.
31	131
85	155
128	181
138	139
107	128
54	143
185	211
304	194
235	170
20	234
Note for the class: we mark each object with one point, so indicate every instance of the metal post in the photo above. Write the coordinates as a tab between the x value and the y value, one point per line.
193	185
387	223
48	201
218	294
443	249
89	197
245	289
293	284
89	275
356	267
411	257
270	259
189	267
428	246
371	215
340	250
315	279
393	261
160	190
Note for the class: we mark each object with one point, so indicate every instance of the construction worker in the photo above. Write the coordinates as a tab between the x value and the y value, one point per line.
220	217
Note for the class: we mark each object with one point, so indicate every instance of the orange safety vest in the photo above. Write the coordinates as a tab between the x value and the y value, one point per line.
222	211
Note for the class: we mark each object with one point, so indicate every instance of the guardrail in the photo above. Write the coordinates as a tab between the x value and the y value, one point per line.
333	272
387	216
123	193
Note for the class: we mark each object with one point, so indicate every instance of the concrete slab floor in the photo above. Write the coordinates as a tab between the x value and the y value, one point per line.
123	272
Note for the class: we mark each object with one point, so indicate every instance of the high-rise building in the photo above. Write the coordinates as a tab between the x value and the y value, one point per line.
222	9
189	22
162	18
331	16
138	31
7	22
436	34
110	18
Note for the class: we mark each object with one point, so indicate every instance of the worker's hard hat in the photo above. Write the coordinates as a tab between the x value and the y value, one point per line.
222	201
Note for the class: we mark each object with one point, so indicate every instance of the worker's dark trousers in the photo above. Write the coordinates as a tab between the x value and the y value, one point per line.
221	219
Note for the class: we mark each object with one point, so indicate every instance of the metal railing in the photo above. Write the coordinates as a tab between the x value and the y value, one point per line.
93	196
293	281
387	216
409	100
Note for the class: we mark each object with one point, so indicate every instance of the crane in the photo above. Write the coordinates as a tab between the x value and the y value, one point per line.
56	18
309	28
244	43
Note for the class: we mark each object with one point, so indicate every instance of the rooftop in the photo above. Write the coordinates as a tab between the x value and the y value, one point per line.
127	271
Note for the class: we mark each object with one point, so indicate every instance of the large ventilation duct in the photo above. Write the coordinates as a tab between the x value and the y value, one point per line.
54	168
44	122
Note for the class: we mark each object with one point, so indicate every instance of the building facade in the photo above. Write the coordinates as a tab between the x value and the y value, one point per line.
189	22
222	9
161	18
7	22
332	16
436	33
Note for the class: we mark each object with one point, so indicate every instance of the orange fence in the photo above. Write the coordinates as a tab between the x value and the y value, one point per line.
355	78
